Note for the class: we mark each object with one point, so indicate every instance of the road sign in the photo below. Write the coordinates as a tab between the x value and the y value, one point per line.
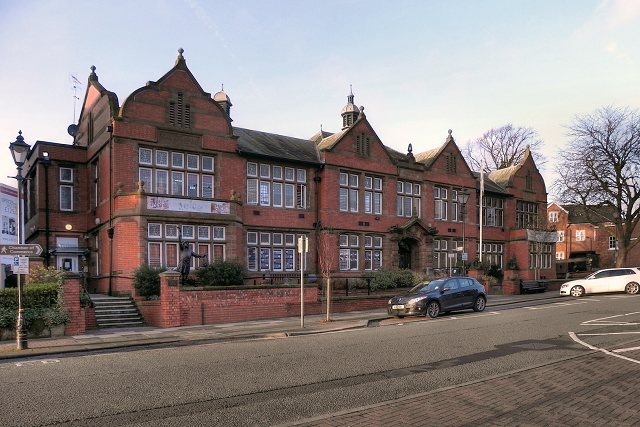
21	265
30	249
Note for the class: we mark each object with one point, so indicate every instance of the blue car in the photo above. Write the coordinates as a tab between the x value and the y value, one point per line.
439	296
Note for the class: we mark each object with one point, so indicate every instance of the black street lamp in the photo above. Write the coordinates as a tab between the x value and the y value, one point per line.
463	197
20	151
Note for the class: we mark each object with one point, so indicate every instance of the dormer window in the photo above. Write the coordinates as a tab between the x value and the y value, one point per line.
180	113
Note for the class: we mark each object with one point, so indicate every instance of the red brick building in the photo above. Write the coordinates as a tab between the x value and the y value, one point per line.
168	160
586	238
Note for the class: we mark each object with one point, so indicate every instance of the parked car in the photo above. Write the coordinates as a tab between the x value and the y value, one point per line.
439	296
607	280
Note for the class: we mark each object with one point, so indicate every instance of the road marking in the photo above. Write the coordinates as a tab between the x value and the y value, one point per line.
604	322
610	353
608	333
562	304
620	350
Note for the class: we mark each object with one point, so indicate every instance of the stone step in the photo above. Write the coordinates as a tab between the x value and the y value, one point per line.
116	312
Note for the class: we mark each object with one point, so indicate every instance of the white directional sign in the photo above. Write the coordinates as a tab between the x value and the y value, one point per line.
31	249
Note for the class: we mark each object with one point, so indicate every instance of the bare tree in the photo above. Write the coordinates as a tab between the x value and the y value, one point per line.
600	167
326	241
504	147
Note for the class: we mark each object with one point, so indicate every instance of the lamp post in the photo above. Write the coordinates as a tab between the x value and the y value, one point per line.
463	196
20	151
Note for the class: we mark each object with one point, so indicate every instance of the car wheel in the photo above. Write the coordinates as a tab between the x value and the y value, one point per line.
577	291
433	309
632	288
480	304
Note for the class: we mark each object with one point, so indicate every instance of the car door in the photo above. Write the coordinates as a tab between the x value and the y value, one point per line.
620	278
450	299
467	293
599	282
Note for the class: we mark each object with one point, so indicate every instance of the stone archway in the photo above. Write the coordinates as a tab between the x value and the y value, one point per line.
412	246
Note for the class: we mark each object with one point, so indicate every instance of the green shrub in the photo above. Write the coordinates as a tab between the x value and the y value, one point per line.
147	280
495	271
41	274
43	303
222	273
34	296
385	278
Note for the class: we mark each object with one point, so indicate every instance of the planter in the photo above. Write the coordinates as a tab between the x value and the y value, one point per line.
57	331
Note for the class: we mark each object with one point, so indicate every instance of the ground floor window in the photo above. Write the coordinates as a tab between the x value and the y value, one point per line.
493	254
540	254
272	251
163	246
353	247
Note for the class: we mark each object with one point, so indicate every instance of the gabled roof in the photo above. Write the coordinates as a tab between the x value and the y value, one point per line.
330	141
504	177
490	186
320	136
580	214
558	205
428	157
268	145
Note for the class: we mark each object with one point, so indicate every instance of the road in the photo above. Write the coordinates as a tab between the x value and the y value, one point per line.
275	381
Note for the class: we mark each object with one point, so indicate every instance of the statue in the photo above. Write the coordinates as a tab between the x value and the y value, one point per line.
185	258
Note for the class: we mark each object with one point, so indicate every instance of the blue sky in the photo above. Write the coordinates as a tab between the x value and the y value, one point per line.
418	67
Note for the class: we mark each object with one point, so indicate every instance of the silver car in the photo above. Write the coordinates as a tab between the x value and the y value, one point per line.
609	280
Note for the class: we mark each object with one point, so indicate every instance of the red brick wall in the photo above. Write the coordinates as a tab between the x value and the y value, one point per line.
72	291
182	307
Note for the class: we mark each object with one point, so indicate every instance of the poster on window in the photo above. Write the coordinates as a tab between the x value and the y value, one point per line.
265	259
277	259
288	254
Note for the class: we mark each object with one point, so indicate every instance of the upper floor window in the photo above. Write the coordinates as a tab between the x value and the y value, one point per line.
165	173
66	189
553	216
613	243
408	201
580	236
349	192
275	185
526	215
493	212
560	236
441	202
372	195
66	175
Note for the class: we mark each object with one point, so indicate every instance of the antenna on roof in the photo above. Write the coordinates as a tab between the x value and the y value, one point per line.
76	84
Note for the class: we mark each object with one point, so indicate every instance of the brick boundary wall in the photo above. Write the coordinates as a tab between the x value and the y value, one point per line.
81	320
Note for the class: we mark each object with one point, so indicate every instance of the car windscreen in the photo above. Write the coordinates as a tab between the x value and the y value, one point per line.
431	286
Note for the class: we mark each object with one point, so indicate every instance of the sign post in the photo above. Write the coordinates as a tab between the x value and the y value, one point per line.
303	248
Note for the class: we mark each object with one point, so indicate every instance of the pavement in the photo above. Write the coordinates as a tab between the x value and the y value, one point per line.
107	339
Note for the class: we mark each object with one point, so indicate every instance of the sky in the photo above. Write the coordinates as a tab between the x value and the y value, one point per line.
419	68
